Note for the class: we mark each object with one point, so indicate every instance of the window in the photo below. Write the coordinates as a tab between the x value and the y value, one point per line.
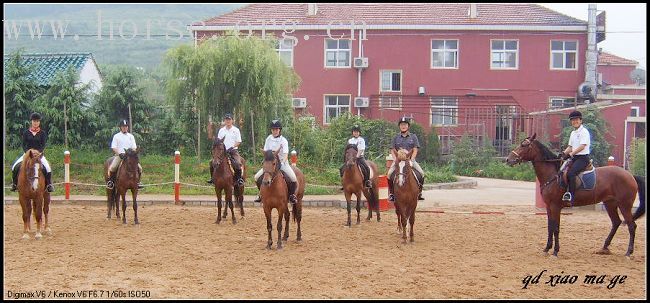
504	54
444	111
564	54
336	106
563	102
390	101
284	48
337	52
391	81
634	111
444	53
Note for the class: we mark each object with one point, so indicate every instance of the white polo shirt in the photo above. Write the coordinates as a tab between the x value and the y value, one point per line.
274	144
123	141
229	136
578	137
360	143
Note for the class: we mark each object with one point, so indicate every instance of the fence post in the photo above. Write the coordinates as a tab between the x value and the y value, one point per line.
294	157
382	183
610	161
66	164
177	182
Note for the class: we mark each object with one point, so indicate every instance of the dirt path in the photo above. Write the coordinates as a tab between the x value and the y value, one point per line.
178	252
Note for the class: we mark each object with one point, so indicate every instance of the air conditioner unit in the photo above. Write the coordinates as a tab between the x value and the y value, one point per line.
299	102
361	62
361	102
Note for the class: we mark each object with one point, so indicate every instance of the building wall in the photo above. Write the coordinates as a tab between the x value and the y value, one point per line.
90	74
616	74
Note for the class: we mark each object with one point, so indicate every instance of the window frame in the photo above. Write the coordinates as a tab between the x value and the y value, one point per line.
505	51
278	49
564	52
564	98
338	113
637	109
336	51
443	51
444	108
391	71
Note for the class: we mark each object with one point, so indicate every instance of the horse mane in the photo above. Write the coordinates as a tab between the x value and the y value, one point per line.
547	154
217	141
354	146
402	154
269	156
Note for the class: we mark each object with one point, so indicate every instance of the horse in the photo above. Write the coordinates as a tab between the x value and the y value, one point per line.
406	190
615	186
352	181
274	194
222	177
127	177
32	194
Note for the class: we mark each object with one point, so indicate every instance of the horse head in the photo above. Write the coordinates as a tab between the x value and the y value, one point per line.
403	165
270	167
218	151
524	152
32	166
131	159
350	155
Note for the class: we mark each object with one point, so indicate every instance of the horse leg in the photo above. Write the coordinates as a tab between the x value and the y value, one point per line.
38	215
123	195
46	212
411	222
348	198
280	218
403	222
134	194
626	210
359	208
369	210
269	226
109	205
116	203
298	216
616	222
26	205
240	200
399	219
555	221
229	203
550	227
287	215
218	192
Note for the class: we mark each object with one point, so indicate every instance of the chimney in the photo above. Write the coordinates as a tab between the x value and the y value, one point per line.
473	10
312	9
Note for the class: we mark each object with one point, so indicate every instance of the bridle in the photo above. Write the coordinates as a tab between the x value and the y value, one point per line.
217	159
273	173
519	159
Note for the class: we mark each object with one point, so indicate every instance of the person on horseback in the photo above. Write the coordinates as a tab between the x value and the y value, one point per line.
231	137
33	137
578	151
361	160
408	141
121	141
275	141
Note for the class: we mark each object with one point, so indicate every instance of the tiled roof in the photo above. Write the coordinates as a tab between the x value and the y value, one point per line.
398	14
609	59
46	66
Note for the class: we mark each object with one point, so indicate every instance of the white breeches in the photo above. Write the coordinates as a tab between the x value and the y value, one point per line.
286	168
43	161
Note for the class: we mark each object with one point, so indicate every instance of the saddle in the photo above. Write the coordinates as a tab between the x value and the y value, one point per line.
586	179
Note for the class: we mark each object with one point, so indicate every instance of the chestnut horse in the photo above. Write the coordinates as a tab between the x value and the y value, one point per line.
352	181
32	194
274	194
615	186
406	190
223	180
127	177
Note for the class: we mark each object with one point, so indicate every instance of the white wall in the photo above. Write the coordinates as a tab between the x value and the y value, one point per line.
90	74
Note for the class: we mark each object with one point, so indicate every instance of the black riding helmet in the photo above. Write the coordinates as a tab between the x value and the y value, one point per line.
35	116
275	124
227	116
357	128
404	120
123	123
575	114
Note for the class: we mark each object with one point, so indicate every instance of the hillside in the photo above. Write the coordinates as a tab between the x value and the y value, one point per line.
141	32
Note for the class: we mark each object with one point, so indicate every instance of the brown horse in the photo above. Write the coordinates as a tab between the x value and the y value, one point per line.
32	194
615	186
352	181
222	178
128	178
406	192
274	194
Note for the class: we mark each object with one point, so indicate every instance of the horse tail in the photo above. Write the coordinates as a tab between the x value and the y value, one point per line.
641	210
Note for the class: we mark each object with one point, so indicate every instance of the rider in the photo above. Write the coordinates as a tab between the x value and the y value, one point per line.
361	160
578	151
408	141
231	139
121	141
275	141
33	137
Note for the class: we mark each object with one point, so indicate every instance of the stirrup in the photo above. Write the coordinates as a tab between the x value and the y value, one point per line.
14	187
258	199
140	186
368	184
110	184
240	182
293	199
567	197
50	188
210	181
391	198
420	196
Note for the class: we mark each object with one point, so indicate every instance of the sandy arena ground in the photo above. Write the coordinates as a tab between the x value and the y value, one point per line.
178	252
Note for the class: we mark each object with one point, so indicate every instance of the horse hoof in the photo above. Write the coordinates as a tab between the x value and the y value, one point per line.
38	236
280	247
234	222
554	257
25	236
48	231
603	252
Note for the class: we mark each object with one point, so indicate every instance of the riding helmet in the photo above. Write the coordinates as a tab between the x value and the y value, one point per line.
35	116
404	120
227	116
276	124
575	114
357	128
123	123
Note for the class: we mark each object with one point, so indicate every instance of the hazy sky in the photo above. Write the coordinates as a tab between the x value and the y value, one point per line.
625	27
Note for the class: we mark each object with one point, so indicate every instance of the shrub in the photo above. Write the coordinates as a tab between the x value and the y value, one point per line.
637	157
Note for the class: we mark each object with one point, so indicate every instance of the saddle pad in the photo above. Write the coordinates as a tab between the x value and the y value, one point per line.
588	179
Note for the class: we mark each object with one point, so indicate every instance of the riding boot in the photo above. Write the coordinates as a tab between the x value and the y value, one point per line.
391	197
48	182
421	185
568	196
258	182
110	184
210	181
366	176
14	179
292	186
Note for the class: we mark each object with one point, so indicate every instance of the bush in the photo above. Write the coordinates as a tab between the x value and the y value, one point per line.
637	157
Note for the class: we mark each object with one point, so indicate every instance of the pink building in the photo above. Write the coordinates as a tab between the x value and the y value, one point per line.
460	67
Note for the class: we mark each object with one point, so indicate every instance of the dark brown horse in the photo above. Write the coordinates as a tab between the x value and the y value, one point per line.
352	181
32	194
274	194
406	192
127	177
615	186
222	178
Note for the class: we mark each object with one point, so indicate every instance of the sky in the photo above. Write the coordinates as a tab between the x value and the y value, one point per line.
625	27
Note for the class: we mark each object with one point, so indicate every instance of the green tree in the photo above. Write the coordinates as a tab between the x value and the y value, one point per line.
20	91
243	76
67	99
598	127
432	150
637	157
